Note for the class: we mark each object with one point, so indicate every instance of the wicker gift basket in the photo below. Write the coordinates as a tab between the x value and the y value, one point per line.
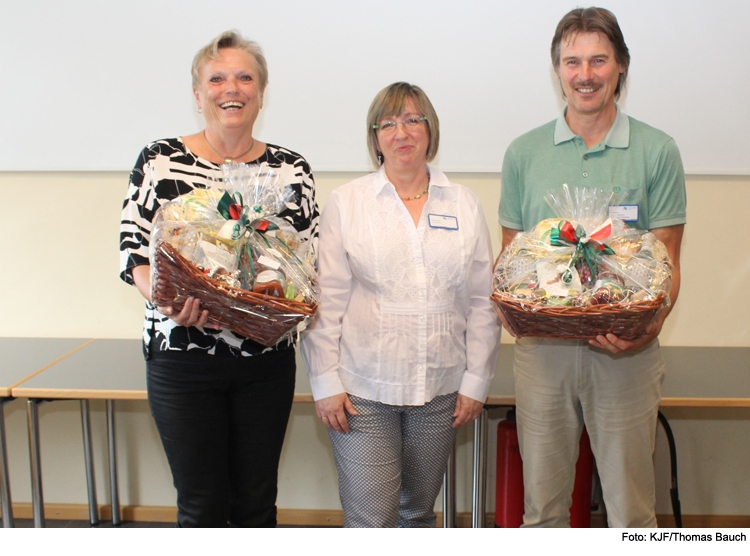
263	318
573	323
582	274
224	247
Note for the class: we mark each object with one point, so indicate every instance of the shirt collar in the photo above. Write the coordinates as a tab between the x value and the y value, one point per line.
437	178
618	136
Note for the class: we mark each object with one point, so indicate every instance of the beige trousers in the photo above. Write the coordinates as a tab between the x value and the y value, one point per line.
562	385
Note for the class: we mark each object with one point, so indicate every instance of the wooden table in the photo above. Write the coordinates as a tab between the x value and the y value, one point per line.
696	377
108	370
21	358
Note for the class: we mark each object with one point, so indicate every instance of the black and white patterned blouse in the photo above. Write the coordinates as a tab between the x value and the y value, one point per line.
166	169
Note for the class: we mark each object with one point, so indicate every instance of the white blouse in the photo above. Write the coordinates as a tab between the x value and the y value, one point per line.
405	312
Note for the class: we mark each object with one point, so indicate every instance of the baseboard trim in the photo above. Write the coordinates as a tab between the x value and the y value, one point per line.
335	518
158	514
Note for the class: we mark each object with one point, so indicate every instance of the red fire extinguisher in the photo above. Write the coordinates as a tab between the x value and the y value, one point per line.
509	488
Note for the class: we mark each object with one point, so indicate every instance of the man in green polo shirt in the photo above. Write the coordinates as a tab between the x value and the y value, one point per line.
610	385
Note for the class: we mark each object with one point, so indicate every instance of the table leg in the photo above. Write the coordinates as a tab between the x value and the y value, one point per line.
4	478
111	441
88	457
37	497
479	495
449	491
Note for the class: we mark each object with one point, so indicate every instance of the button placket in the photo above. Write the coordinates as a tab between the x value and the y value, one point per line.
421	282
582	151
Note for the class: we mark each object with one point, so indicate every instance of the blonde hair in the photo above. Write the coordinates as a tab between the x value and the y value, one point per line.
230	39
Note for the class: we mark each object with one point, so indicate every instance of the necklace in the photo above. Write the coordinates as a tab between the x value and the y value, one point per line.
415	196
426	189
227	159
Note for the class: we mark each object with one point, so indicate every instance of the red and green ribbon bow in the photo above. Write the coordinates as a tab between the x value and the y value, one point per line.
587	247
232	207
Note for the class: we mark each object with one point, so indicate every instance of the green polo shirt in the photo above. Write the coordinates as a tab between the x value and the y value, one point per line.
640	163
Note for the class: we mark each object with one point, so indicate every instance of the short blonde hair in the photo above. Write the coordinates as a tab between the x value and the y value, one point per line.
389	102
230	39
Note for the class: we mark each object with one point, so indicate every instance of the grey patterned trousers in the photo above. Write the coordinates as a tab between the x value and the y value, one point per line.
392	461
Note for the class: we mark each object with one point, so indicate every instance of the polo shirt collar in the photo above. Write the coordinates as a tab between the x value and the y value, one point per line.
618	136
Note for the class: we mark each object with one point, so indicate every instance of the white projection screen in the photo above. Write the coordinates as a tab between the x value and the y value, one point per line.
86	84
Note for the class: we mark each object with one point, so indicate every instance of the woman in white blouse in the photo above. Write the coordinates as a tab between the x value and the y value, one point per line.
403	347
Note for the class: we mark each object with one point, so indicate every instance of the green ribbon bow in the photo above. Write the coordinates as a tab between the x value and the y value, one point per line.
232	207
587	247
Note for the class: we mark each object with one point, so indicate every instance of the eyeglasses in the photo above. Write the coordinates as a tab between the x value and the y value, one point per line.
388	127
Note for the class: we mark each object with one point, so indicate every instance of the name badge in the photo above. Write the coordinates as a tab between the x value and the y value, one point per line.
442	221
626	213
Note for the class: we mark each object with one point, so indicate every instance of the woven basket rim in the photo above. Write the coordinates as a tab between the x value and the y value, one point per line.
603	309
263	318
237	293
627	322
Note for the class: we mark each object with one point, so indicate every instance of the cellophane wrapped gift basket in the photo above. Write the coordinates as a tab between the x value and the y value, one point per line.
583	273
225	246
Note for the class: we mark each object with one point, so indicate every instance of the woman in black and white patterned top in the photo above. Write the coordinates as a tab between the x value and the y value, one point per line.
221	402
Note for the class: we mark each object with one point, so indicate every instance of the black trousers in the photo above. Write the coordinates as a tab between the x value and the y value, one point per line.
222	422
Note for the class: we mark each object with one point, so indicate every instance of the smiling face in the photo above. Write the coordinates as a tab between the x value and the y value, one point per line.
229	92
404	147
588	73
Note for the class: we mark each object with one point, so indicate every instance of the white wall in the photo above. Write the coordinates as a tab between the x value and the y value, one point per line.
61	280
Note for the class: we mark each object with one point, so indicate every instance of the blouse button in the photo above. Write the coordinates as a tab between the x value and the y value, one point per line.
585	174
585	157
